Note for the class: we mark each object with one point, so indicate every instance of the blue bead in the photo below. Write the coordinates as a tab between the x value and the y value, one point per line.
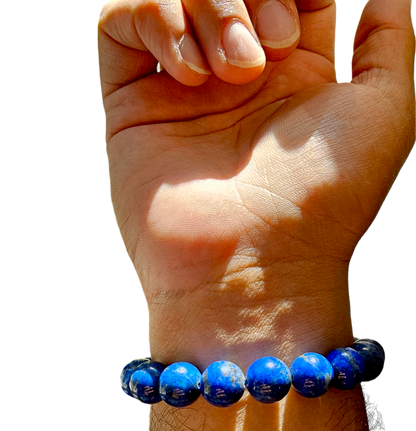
268	380
373	355
222	384
180	384
311	375
128	370
348	368
144	382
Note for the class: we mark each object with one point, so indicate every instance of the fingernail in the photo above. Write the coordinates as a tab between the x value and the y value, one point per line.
276	27
241	49
192	56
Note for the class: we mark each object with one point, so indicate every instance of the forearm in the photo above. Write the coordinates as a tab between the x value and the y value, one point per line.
252	314
334	411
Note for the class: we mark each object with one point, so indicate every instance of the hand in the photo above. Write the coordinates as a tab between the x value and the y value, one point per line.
241	206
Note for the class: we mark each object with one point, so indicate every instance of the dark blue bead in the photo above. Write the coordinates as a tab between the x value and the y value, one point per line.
311	375
222	384
180	384
348	368
373	355
144	382
128	370
268	380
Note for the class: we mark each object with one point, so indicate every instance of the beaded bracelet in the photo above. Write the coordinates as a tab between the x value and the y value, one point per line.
268	379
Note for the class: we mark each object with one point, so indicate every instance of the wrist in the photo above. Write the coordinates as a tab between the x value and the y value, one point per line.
280	311
306	308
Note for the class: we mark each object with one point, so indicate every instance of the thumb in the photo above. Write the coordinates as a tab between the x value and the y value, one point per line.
385	45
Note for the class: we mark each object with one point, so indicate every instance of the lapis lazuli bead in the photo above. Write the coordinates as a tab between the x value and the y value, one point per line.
348	368
144	382
222	384
180	384
268	380
128	370
373	355
311	375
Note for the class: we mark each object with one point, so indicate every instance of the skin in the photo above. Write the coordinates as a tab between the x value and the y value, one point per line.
241	194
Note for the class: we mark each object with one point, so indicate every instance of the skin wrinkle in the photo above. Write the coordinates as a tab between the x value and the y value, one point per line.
325	4
307	66
252	213
248	293
370	33
378	99
245	102
268	192
354	233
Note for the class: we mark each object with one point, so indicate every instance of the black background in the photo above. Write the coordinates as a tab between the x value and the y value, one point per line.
383	287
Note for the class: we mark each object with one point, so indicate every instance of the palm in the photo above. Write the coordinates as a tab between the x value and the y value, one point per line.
202	174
